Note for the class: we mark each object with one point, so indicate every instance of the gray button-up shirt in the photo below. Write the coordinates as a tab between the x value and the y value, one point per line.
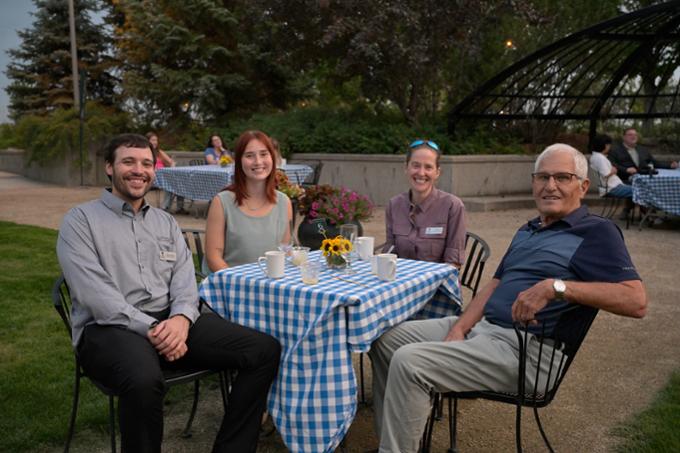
120	265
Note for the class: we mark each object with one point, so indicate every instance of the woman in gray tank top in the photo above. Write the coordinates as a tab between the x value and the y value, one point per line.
250	216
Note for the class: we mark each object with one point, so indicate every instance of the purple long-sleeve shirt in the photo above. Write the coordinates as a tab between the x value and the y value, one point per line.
433	230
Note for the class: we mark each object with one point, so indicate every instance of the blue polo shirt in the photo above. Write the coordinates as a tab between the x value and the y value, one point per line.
581	247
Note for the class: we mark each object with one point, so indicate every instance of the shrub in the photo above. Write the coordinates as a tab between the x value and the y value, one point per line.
359	131
8	136
48	137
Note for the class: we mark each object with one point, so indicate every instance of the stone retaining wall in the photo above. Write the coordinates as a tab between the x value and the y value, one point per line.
377	175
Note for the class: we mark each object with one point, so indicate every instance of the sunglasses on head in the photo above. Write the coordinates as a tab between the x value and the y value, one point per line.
429	143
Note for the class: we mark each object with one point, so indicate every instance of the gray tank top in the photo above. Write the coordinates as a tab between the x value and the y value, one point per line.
248	237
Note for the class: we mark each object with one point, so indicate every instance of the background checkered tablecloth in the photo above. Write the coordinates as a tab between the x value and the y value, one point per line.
661	191
203	182
313	400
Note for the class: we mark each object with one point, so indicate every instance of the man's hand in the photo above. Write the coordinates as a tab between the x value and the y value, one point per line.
631	170
531	301
455	334
674	164
169	337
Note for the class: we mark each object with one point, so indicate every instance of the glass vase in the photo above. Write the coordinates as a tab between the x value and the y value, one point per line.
335	262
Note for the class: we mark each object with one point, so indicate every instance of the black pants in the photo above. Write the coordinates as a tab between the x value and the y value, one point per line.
128	363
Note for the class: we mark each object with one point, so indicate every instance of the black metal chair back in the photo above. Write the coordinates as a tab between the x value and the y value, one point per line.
568	335
477	252
61	299
196	162
194	240
316	176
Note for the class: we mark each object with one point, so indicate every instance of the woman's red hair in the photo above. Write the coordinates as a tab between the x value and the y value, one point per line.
239	184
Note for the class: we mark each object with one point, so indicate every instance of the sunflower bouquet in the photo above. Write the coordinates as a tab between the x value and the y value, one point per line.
225	160
333	249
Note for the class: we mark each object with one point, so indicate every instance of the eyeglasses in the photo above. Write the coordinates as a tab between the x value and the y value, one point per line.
561	179
429	143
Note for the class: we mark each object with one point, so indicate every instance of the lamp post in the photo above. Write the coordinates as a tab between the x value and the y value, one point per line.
74	54
81	123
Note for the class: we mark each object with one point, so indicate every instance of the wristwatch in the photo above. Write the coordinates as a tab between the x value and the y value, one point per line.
560	288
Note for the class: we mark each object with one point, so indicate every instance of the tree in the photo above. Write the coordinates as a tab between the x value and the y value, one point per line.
418	55
40	70
199	59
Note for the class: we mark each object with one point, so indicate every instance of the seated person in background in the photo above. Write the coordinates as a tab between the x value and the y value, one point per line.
564	256
425	223
164	160
250	216
136	309
629	158
609	184
215	150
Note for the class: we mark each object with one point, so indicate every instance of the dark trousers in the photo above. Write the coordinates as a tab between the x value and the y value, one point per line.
128	363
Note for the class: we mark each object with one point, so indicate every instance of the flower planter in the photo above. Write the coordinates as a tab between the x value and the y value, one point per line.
309	236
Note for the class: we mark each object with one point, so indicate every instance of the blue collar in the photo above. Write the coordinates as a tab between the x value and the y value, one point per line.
570	219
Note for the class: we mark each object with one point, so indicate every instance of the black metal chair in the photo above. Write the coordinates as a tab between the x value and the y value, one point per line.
611	205
61	298
477	252
196	162
194	239
316	175
570	331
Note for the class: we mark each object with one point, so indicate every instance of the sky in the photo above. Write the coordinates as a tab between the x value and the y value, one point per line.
14	15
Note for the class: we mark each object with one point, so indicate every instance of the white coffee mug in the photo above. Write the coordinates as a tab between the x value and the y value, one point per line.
365	246
275	262
386	266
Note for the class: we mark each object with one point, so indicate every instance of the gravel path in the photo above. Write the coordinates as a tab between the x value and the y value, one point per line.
621	366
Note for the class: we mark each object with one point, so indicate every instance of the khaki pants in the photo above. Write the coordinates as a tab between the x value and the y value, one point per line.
411	361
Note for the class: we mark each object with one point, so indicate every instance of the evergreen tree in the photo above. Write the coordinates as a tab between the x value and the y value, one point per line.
199	59
40	70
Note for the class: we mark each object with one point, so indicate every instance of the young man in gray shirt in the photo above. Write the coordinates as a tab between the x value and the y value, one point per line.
136	311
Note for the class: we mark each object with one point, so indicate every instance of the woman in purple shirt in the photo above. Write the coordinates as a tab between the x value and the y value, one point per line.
426	223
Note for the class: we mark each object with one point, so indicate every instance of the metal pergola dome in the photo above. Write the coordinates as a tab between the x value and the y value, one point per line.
626	67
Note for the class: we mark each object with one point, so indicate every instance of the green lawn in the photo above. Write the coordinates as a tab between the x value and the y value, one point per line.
656	429
36	359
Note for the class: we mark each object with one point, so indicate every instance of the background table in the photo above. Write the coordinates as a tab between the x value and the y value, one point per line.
203	182
660	191
314	397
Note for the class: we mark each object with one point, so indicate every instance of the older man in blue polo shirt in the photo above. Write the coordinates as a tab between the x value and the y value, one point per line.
565	255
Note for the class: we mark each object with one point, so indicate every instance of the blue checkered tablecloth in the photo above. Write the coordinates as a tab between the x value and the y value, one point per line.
203	182
314	398
661	191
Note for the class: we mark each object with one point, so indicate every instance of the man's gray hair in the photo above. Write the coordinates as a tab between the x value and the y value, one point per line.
580	161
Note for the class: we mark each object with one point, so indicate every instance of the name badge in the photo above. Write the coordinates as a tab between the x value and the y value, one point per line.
168	256
434	230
